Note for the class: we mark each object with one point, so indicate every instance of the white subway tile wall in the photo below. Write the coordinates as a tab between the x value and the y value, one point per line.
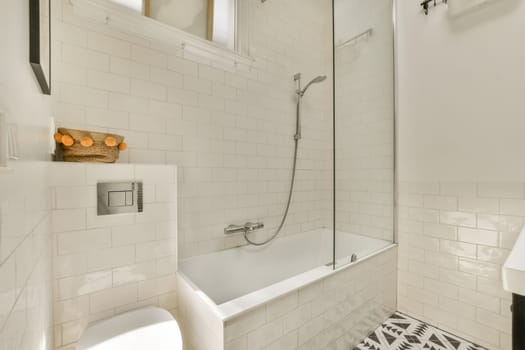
105	265
334	313
26	318
25	258
228	127
453	240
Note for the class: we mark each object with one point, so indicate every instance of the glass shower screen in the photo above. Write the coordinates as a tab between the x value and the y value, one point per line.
364	128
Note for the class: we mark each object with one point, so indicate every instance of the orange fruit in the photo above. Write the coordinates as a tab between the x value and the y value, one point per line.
58	137
110	141
86	141
67	141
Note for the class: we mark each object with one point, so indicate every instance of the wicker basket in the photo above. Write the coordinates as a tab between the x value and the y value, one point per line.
99	152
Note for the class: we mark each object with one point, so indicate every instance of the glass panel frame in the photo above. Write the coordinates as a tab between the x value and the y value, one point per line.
340	258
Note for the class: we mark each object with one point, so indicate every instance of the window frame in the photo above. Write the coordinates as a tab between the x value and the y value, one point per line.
131	22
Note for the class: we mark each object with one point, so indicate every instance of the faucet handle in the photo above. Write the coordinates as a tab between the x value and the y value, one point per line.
233	229
247	227
252	226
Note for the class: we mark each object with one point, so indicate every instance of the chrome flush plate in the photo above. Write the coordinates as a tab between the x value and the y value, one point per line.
119	198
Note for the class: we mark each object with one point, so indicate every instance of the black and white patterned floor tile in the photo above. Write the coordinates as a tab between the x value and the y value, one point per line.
401	332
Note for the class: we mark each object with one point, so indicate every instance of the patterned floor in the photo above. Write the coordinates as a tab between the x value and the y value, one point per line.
401	332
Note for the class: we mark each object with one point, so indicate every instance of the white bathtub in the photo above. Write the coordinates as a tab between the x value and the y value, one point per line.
284	295
236	280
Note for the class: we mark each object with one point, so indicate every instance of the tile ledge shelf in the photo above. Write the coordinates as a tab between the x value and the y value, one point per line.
129	22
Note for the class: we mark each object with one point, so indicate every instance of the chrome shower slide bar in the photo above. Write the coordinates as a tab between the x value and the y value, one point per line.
350	41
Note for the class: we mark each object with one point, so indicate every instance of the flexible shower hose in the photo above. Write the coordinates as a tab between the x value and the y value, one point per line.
297	137
287	205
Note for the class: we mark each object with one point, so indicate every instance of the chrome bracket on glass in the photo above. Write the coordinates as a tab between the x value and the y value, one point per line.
247	227
119	198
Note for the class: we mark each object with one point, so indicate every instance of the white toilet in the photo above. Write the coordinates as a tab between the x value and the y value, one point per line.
142	329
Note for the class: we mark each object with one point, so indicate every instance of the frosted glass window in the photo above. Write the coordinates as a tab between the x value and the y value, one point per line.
135	5
188	15
213	20
224	23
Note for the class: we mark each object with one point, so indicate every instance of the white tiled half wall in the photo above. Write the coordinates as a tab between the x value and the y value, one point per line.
106	265
228	127
334	313
453	240
25	258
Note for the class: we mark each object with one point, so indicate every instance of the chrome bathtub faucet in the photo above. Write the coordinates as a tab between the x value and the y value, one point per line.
247	227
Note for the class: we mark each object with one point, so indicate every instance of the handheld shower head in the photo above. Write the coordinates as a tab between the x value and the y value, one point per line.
318	79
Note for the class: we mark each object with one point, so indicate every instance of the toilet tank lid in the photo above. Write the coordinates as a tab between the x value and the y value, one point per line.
124	323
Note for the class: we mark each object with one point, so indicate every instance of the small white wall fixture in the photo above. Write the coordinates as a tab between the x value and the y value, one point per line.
3	141
462	7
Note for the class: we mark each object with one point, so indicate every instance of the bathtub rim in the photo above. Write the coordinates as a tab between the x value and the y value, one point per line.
248	302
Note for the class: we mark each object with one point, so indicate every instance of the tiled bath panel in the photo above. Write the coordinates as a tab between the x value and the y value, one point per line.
105	265
334	313
401	332
453	240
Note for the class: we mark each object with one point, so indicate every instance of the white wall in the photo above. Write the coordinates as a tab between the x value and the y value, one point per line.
20	96
104	265
230	129
461	93
25	250
460	149
454	238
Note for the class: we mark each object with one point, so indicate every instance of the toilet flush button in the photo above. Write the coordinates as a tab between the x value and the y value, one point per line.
117	198
129	198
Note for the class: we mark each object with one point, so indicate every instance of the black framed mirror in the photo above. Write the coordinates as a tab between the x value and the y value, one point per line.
40	42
